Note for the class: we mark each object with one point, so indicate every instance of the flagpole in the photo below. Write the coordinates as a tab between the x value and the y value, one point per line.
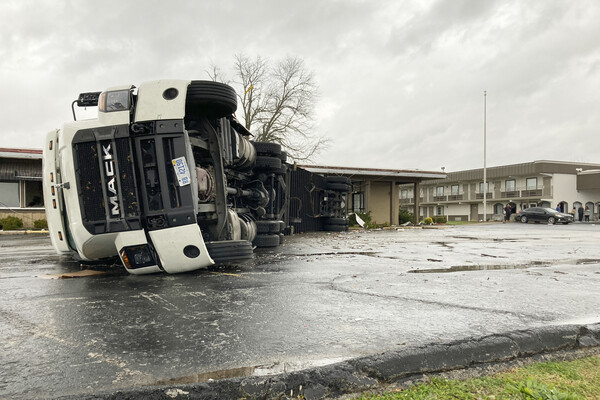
484	157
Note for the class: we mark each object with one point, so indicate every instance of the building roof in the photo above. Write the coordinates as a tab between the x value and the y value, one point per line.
20	153
522	169
400	175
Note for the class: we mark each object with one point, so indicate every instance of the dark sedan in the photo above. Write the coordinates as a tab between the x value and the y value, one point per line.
543	214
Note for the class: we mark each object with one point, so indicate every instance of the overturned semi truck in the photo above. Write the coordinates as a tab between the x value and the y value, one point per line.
168	180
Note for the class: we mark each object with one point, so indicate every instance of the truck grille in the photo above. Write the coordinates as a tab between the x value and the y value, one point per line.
90	181
106	181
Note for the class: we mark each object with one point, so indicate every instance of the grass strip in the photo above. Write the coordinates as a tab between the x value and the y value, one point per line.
552	380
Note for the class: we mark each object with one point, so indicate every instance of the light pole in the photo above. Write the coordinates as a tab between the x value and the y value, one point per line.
484	158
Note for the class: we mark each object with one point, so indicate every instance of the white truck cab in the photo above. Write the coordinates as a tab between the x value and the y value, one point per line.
127	182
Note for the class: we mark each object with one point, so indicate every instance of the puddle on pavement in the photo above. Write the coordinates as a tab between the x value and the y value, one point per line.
587	261
463	268
261	370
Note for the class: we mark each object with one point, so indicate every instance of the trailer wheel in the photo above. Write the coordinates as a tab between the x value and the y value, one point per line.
338	179
335	228
229	251
336	221
210	99
268	240
340	187
268	226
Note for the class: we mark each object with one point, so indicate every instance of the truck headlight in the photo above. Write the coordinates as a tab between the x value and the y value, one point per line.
117	100
137	256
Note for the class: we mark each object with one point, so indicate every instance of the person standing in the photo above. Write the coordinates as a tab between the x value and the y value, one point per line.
507	212
586	214
580	213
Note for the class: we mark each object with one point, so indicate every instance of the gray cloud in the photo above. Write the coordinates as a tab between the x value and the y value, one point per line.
401	82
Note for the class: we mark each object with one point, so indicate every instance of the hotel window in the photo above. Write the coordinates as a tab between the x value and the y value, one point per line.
439	191
531	183
510	185
454	190
404	194
487	187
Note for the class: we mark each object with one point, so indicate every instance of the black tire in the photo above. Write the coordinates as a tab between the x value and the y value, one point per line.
210	99
523	219
230	251
268	240
551	220
336	221
283	156
335	228
268	226
268	163
267	148
338	179
339	187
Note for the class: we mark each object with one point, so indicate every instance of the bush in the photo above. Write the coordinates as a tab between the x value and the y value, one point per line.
11	223
40	224
405	216
428	221
442	219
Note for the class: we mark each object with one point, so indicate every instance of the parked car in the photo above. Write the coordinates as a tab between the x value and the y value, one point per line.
543	214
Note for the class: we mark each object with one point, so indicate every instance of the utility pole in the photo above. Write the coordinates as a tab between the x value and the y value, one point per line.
484	157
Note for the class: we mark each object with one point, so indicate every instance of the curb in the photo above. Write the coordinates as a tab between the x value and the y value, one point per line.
368	373
24	232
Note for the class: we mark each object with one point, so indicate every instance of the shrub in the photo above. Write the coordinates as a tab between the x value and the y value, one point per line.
11	223
405	216
428	221
442	219
40	224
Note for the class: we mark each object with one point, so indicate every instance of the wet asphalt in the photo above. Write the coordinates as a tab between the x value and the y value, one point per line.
318	299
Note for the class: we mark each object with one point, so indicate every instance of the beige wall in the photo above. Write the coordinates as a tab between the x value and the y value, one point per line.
27	216
380	198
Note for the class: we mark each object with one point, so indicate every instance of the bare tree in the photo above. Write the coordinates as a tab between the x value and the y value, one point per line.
278	103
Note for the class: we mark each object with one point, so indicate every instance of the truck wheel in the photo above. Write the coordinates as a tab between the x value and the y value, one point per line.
269	163
268	240
283	156
229	251
210	99
268	148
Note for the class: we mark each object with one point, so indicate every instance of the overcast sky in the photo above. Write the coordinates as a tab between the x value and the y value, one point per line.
401	82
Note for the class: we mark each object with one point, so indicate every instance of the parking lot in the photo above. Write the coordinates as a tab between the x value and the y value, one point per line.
318	299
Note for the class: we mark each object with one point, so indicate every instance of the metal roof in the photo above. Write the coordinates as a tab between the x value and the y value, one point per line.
352	171
20	153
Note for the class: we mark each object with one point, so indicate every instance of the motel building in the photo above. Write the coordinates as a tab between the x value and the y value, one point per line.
459	196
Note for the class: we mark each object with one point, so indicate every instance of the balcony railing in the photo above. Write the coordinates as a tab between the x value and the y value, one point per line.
531	193
479	196
509	194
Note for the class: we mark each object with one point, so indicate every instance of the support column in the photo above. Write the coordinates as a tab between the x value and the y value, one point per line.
394	203
416	195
